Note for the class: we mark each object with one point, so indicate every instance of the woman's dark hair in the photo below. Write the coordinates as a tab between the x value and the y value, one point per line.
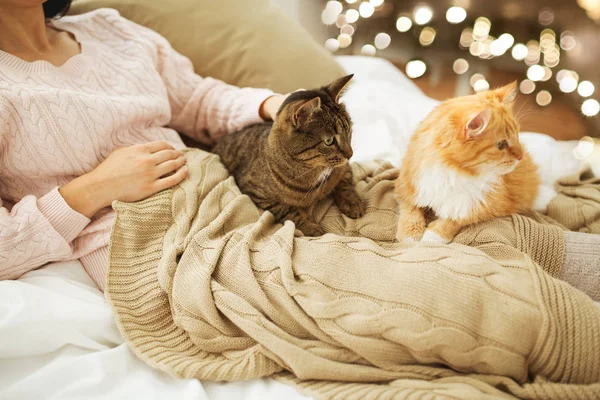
56	8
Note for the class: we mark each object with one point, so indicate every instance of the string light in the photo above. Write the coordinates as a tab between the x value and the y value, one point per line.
344	40
368	50
427	36
352	16
527	86
568	84
543	98
423	14
535	73
546	16
382	40
332	45
335	6
403	24
481	85
456	15
507	40
475	78
366	9
341	21
584	148
567	41
466	38
590	108
519	51
460	66
415	69
347	29
586	89
540	56
481	29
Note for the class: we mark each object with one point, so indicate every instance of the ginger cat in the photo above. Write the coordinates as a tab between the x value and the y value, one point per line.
465	163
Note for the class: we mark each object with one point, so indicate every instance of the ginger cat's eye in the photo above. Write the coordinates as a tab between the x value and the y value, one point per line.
329	141
502	144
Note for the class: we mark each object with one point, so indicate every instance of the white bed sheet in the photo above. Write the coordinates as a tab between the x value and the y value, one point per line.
58	339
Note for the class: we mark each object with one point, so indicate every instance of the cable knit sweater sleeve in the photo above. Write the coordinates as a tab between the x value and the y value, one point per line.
202	108
36	231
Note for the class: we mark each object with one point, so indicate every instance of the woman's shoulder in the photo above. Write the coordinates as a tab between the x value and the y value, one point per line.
106	20
99	15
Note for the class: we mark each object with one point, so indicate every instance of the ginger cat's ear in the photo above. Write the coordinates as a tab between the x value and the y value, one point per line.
507	94
338	87
305	110
477	123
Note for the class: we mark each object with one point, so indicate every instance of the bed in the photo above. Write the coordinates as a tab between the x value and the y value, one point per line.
58	339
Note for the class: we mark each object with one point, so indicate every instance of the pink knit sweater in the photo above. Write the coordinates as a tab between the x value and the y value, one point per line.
127	86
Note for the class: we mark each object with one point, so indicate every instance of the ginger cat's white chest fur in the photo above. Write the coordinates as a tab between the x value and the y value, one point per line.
452	195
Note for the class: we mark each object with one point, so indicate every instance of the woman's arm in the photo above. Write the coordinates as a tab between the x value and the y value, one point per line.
38	231
35	232
202	108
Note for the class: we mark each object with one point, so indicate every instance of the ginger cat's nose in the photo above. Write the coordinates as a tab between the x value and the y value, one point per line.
517	152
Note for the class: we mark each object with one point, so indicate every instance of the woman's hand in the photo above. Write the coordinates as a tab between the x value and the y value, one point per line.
128	174
269	107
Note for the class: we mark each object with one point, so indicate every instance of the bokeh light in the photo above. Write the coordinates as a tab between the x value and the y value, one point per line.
527	86
586	89
519	51
543	98
415	69
382	40
590	108
427	36
368	50
460	66
456	15
423	14
403	24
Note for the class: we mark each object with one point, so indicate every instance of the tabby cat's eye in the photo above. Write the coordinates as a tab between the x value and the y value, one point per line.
502	144
329	141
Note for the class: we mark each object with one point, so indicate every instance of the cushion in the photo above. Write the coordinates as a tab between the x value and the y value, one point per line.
245	43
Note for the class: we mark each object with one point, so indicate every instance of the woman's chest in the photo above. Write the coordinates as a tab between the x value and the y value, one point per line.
53	119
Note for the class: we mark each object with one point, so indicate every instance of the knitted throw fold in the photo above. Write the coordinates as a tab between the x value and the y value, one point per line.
205	285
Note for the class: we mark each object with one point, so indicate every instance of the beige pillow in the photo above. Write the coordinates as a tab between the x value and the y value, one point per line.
242	42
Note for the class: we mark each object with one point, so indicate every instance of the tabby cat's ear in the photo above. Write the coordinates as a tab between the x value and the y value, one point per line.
305	110
477	124
338	87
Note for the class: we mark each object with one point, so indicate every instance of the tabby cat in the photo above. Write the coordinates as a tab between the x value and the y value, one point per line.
465	163
288	165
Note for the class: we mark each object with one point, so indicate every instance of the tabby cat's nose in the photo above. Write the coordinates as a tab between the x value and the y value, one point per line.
347	153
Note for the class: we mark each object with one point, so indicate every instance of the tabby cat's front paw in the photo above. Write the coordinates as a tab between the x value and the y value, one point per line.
352	206
312	229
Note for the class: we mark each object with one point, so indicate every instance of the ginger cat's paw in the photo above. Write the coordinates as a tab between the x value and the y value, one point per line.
351	206
410	235
431	236
411	224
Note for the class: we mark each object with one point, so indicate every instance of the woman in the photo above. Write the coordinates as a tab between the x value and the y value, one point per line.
84	102
84	105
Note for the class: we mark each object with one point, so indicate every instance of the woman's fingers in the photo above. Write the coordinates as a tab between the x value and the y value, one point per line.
172	180
165	155
153	147
169	166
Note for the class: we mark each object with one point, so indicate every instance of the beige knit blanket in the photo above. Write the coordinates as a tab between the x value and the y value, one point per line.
205	285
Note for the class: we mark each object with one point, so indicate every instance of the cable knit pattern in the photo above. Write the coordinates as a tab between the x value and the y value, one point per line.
127	86
203	284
